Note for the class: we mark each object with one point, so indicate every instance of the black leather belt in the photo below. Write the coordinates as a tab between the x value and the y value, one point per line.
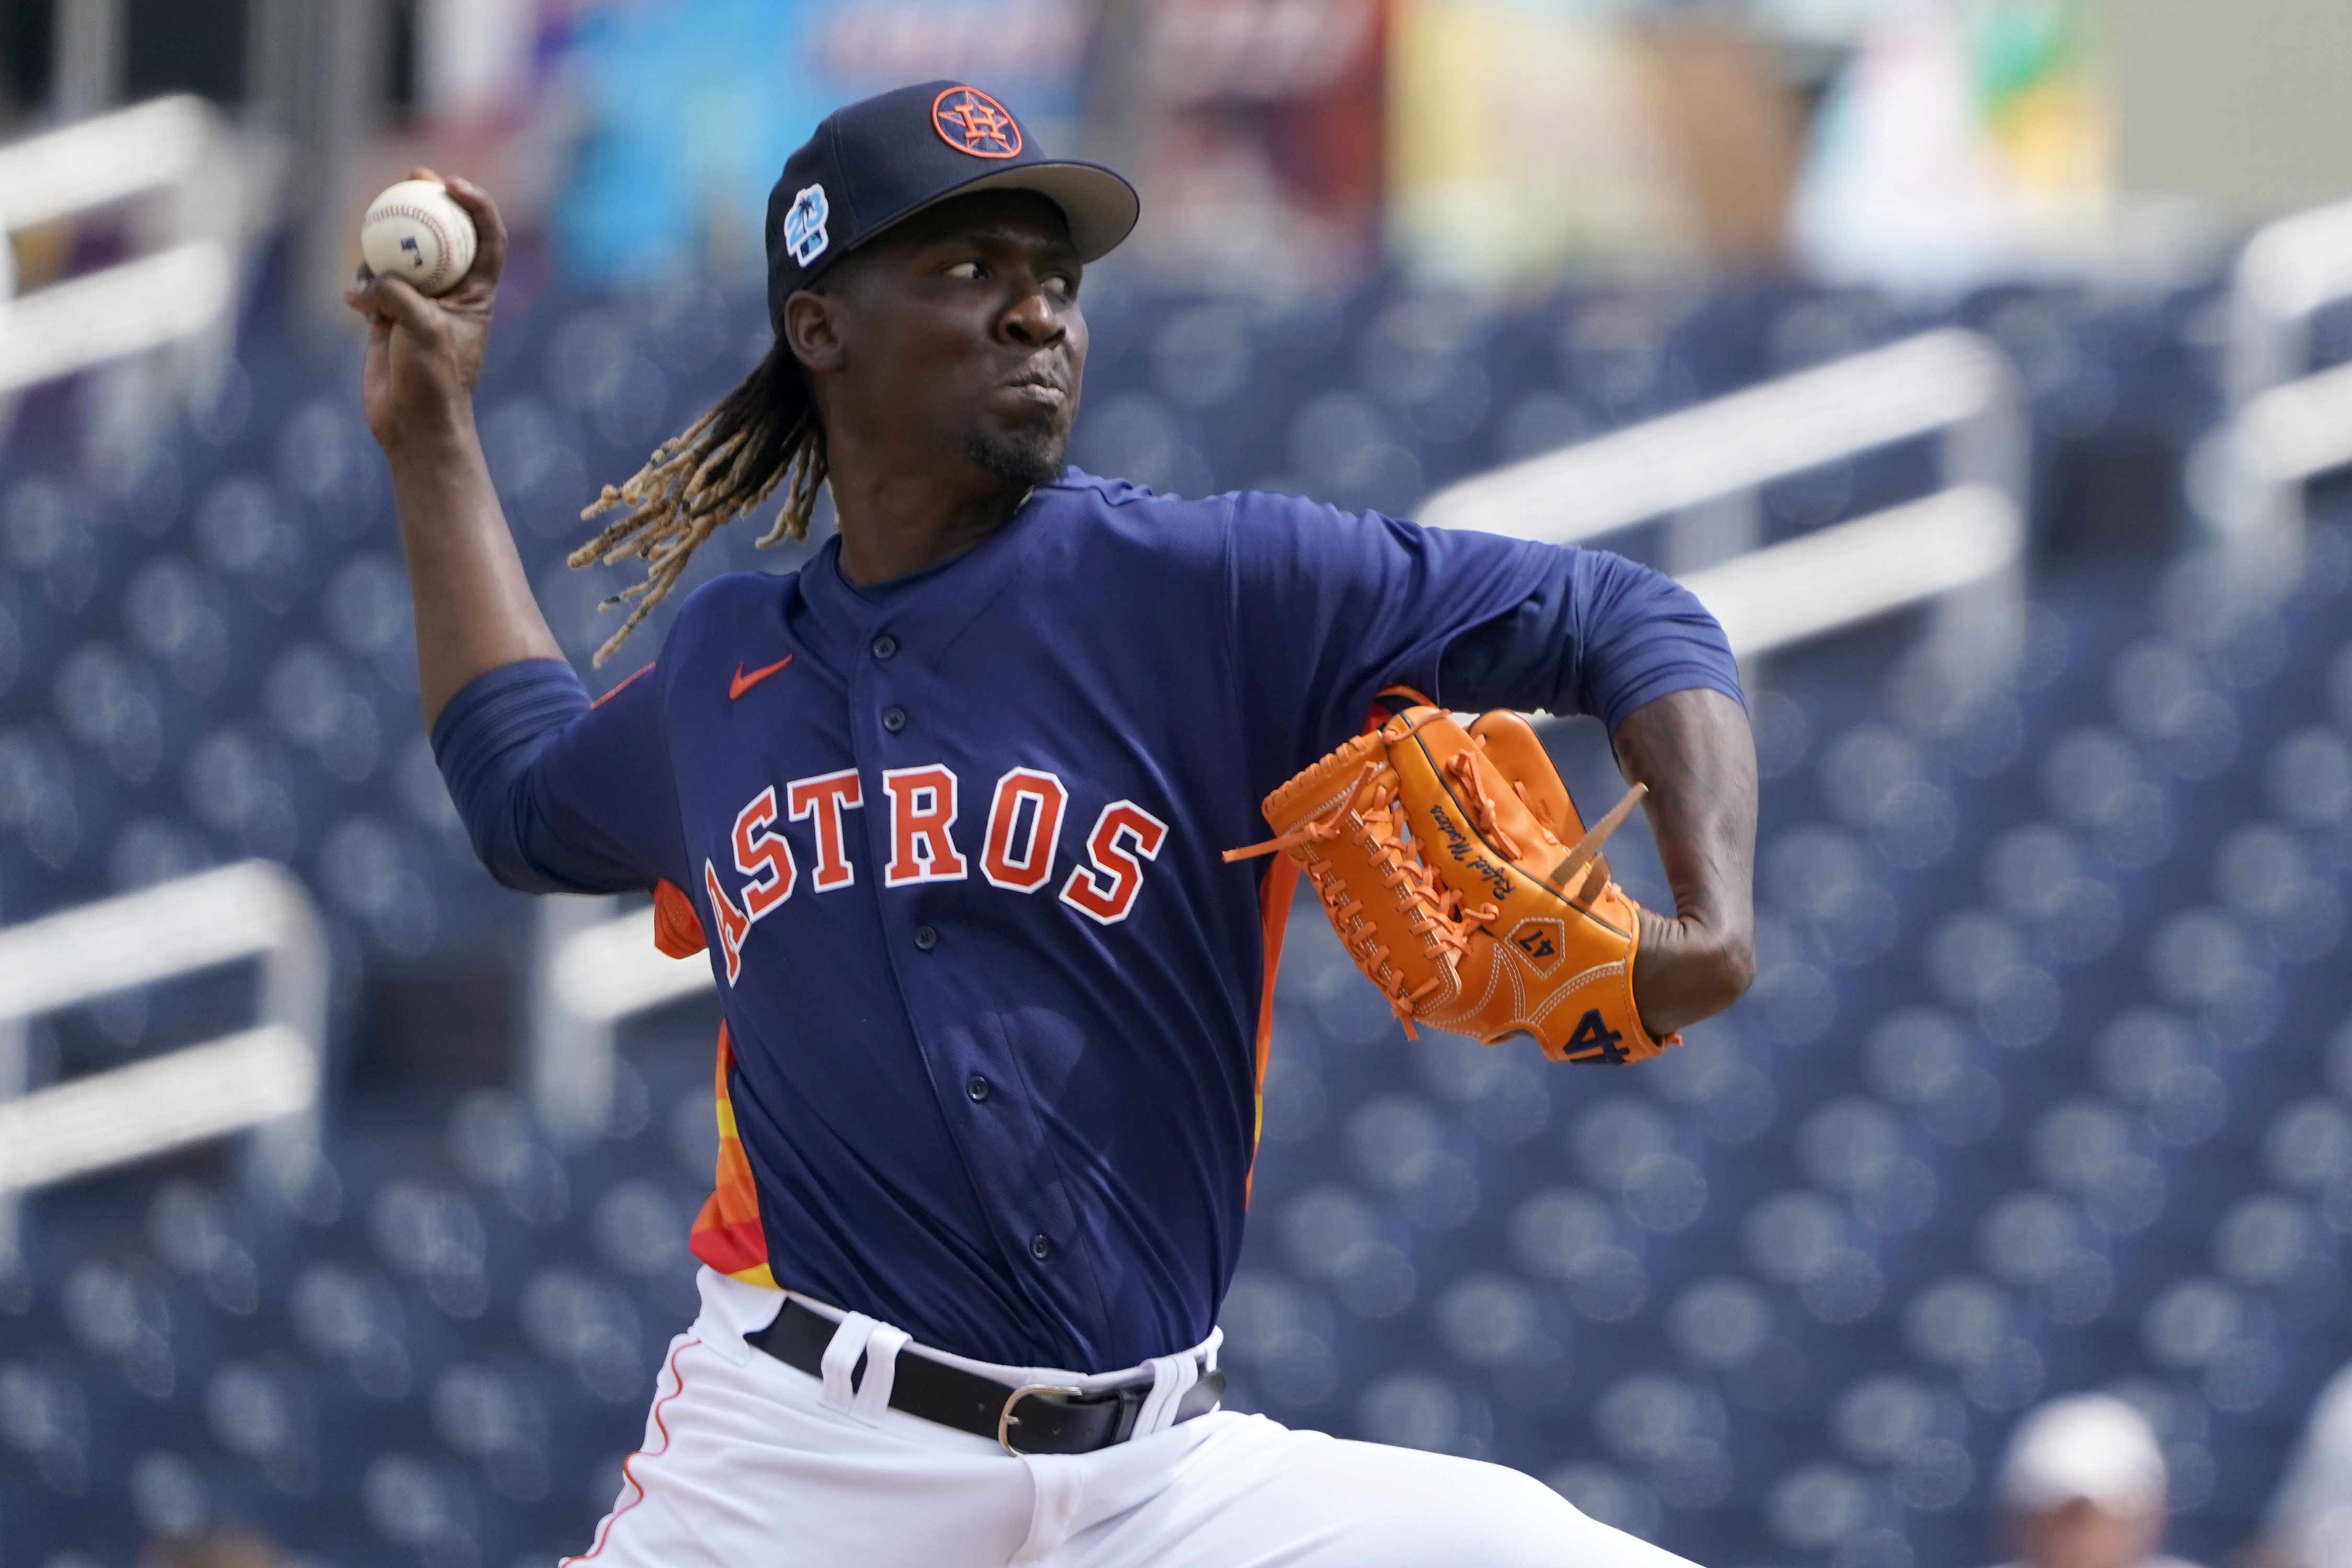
1037	1418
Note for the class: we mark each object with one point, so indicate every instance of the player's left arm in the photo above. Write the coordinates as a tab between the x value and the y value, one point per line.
1610	638
1329	608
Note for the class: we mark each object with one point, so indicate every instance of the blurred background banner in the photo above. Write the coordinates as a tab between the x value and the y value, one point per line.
1962	143
1525	143
1986	364
682	113
1286	146
1254	129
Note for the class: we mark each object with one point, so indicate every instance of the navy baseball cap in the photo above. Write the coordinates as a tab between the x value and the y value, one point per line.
887	157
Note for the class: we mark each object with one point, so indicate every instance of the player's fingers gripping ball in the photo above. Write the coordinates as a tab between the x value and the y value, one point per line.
1453	865
416	230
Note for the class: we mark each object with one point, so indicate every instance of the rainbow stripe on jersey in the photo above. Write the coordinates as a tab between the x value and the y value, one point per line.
726	1234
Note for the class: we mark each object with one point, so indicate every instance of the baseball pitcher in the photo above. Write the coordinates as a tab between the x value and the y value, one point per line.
950	810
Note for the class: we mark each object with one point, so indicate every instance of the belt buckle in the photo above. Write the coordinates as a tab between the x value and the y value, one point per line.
1006	1420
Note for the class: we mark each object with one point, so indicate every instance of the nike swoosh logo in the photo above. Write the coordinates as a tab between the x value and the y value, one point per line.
742	682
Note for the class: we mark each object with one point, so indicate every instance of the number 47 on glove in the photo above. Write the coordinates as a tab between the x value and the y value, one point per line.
1460	879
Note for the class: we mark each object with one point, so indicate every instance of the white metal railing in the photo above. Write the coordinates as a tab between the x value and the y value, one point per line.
1702	470
593	970
181	292
266	1078
2283	426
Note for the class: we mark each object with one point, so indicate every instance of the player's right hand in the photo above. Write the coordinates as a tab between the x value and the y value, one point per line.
425	355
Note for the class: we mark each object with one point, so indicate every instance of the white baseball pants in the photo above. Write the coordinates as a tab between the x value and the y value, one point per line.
748	1460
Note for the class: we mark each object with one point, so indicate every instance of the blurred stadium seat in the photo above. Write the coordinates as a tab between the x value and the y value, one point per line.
2043	1085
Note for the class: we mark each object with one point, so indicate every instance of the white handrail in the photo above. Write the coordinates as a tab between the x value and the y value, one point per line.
593	970
2288	272
613	970
184	1097
1914	387
2284	426
183	292
264	1078
1836	576
155	145
122	311
1961	547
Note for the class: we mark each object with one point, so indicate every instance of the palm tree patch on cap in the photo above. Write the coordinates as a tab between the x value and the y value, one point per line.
805	225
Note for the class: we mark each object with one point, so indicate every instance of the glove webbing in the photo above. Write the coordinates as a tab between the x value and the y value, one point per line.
1407	875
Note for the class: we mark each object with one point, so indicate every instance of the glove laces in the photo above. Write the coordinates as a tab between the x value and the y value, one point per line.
1434	911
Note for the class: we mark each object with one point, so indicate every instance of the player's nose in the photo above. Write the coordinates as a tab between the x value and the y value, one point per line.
1031	320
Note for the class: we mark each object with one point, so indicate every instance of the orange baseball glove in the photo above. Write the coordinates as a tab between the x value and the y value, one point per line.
1455	870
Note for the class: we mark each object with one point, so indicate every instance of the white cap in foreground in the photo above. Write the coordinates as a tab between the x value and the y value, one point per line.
2092	1447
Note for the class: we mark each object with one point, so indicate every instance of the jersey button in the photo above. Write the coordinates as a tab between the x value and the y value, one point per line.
1041	1246
885	646
894	719
977	1088
928	939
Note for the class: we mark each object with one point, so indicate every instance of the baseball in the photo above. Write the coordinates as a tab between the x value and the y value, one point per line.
416	230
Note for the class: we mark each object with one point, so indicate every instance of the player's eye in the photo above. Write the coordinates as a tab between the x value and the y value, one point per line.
969	271
1061	285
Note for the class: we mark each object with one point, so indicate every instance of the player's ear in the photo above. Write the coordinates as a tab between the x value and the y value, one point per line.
813	330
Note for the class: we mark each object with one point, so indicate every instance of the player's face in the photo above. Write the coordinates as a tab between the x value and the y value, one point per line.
964	325
2081	1534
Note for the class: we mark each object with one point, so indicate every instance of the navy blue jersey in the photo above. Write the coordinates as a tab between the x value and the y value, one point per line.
991	995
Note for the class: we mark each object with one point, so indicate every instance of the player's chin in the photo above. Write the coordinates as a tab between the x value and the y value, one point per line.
1030	453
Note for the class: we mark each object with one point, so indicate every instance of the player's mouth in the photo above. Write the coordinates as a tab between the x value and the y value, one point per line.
1037	387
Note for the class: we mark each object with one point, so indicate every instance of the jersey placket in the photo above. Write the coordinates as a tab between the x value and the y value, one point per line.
903	722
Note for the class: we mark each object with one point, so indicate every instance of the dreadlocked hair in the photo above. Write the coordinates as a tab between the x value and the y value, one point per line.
762	434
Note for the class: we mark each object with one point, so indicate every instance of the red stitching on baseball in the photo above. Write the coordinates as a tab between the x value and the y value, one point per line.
440	232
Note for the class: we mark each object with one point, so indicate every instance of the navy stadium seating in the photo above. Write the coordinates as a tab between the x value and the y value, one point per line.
2046	1082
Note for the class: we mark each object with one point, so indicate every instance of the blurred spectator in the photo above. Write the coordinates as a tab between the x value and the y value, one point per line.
215	1548
2311	1518
2083	1486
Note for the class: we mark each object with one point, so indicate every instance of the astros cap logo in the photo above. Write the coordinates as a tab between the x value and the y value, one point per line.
969	120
